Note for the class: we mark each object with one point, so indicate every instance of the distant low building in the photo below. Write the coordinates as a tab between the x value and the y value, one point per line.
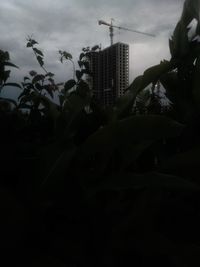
110	73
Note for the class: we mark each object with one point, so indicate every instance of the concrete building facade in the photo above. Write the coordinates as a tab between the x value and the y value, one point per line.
110	69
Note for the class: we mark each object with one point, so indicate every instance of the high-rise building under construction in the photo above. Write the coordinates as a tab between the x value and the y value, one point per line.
110	73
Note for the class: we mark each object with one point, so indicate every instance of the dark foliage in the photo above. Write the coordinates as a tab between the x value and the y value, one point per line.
86	186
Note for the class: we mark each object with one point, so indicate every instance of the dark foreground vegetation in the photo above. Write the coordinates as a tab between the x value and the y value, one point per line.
86	186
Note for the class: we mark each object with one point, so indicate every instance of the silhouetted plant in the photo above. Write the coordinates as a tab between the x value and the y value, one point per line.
103	187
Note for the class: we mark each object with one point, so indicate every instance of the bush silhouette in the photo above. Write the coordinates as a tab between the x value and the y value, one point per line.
83	185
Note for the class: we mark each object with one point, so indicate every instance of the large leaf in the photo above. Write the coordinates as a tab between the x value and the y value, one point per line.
65	55
51	108
55	162
179	45
153	180
73	106
186	164
171	83
79	74
151	75
31	42
26	78
125	103
49	74
40	60
128	132
94	48
37	78
61	99
39	87
13	85
37	51
24	105
83	89
196	85
137	239
99	112
9	64
148	127
190	11
69	84
81	56
132	151
50	89
75	103
5	75
9	100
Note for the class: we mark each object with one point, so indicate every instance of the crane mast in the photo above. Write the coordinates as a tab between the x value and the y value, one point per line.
111	29
111	32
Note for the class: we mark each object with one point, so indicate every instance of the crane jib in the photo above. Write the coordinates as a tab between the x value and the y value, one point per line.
126	29
111	26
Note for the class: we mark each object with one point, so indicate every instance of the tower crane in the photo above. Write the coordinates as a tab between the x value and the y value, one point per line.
111	29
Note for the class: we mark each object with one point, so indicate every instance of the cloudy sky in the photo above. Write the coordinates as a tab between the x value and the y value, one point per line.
73	24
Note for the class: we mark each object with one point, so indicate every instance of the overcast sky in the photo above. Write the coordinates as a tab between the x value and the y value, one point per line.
73	24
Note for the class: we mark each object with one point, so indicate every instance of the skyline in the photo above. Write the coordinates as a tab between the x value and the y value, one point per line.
72	25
